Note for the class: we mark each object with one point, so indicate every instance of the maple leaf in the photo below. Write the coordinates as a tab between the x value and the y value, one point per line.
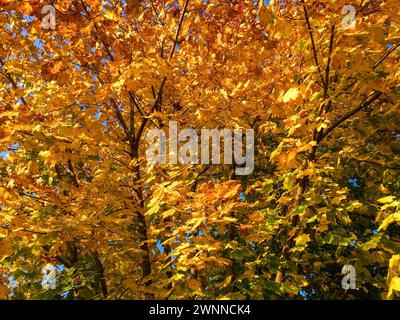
291	94
302	239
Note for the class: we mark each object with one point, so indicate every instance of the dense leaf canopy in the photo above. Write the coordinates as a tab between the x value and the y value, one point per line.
76	190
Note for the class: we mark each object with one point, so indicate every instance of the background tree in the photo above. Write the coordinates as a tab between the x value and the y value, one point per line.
77	192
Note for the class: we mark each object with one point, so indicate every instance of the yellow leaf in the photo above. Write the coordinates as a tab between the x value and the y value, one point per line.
302	240
394	261
45	154
390	219
291	94
227	282
232	193
387	199
394	285
169	213
229	219
356	204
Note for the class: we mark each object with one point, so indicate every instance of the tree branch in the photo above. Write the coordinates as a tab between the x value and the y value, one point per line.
179	29
313	45
328	65
385	56
365	103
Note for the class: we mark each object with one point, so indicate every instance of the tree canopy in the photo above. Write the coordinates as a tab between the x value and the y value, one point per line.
76	190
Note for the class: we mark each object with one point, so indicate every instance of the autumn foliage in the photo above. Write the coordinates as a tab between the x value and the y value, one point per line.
76	191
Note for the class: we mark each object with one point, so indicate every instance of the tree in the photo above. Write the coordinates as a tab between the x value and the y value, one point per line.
78	193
